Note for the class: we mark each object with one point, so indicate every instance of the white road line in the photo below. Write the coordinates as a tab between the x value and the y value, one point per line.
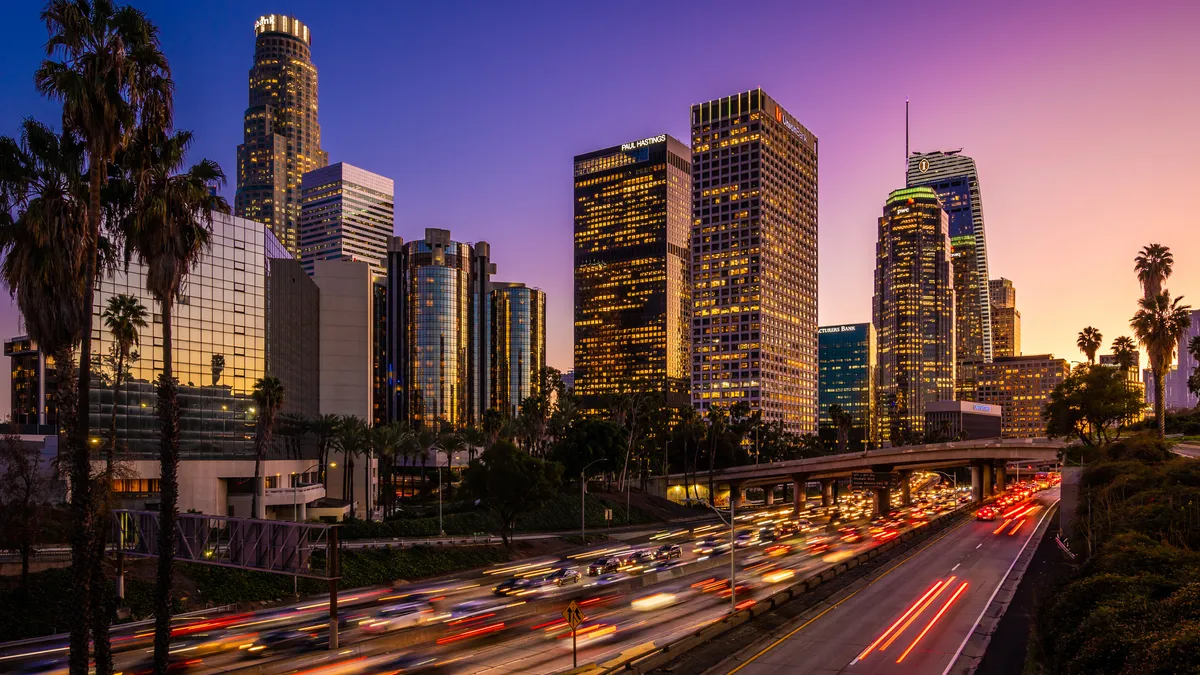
980	544
955	567
1004	578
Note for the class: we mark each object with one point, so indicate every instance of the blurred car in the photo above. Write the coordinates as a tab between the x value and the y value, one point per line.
175	664
638	560
283	640
606	579
668	552
396	617
744	539
603	566
511	586
562	576
817	545
711	546
986	513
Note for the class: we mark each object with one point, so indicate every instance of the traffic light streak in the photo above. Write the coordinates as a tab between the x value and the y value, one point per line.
912	608
934	619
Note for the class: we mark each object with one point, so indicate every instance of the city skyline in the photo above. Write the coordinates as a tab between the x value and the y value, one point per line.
862	153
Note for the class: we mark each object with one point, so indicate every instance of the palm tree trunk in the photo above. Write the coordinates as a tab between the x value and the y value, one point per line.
102	604
367	486
1160	407
168	412
80	455
258	456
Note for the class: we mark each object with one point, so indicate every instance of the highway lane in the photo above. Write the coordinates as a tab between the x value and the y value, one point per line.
913	616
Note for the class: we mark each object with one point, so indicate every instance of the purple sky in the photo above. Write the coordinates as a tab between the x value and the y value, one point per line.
1081	116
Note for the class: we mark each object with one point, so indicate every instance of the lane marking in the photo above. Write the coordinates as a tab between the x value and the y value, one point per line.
804	625
955	567
980	544
1004	578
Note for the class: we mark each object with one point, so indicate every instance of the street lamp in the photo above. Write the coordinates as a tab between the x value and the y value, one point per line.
732	547
436	449
947	475
583	499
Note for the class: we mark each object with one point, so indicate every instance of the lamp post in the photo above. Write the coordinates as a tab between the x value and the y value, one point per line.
732	547
950	476
583	500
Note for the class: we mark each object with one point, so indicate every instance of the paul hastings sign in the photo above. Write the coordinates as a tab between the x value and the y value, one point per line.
644	142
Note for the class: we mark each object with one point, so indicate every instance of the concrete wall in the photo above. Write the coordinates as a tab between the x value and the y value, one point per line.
345	338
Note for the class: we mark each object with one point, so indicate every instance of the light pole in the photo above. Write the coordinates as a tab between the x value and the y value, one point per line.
732	547
583	500
950	476
436	449
296	517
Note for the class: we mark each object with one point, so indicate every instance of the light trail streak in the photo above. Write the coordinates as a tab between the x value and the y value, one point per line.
934	620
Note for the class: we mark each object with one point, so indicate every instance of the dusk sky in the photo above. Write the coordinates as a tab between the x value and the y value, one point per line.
1082	117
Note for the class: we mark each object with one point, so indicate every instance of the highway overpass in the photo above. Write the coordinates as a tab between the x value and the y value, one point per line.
988	459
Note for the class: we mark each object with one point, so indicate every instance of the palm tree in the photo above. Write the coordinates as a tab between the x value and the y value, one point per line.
124	317
450	442
111	75
1193	381
43	203
690	429
1153	265
324	429
1089	341
169	232
351	439
389	441
1160	325
718	422
268	397
217	365
1125	353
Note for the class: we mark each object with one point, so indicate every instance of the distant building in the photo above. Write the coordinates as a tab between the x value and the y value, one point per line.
282	138
947	421
633	292
518	343
33	386
1006	319
913	309
568	379
847	364
346	213
1021	386
754	259
1176	393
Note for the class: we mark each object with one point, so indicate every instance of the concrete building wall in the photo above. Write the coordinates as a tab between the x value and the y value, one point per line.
293	336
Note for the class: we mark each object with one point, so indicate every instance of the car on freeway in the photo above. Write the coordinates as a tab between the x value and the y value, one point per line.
283	640
986	513
511	586
603	566
744	539
668	552
562	576
396	617
712	546
638	560
471	608
606	579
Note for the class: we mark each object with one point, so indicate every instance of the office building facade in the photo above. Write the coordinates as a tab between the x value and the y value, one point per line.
632	270
437	290
282	139
1175	389
847	365
754	259
34	384
949	421
293	335
1021	386
1006	319
955	178
346	213
518	344
913	309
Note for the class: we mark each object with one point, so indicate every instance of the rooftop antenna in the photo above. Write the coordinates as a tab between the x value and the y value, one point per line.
906	135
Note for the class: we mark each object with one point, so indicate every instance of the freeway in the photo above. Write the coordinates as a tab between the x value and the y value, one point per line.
1187	450
912	617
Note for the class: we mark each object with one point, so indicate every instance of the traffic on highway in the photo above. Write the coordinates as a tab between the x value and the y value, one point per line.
509	618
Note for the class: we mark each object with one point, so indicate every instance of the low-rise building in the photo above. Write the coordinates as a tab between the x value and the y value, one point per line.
947	421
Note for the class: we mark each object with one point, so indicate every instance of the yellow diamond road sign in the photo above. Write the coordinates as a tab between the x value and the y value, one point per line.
573	615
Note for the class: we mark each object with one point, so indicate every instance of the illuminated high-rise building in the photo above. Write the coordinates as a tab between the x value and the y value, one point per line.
754	259
346	213
1021	386
913	309
632	270
437	352
282	140
518	344
955	178
1006	318
848	362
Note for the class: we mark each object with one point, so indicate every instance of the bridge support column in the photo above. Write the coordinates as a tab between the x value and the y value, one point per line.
976	483
882	502
906	487
835	492
769	495
827	498
799	494
737	495
1001	476
987	479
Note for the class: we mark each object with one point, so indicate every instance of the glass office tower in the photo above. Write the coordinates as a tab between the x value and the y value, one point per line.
913	310
754	259
632	270
346	213
847	361
518	342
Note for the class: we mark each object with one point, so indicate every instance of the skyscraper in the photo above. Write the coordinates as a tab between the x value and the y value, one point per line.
1006	319
848	364
282	140
346	213
436	292
913	308
632	270
1021	386
518	342
754	259
955	179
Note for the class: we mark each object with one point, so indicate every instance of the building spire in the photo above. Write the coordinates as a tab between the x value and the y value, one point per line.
906	138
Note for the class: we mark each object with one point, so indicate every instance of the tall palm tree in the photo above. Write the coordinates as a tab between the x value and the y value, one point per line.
718	422
106	67
169	231
324	429
1160	325
217	366
1089	342
1125	353
388	442
351	439
124	317
450	442
1153	265
268	398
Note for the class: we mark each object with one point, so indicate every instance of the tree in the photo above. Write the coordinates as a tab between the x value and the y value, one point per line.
450	442
718	423
268	398
1090	404
1125	353
1160	325
23	487
169	231
124	317
493	424
1153	265
352	438
842	421
1193	382
1089	342
324	429
217	365
509	482
630	411
388	442
110	76
588	440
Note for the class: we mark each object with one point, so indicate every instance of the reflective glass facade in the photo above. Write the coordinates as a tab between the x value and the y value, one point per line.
518	341
33	384
222	313
346	213
754	259
913	308
282	139
632	269
848	365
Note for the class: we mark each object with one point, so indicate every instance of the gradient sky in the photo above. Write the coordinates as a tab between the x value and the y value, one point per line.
1082	117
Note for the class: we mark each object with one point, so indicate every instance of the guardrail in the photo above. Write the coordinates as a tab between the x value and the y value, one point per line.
120	626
